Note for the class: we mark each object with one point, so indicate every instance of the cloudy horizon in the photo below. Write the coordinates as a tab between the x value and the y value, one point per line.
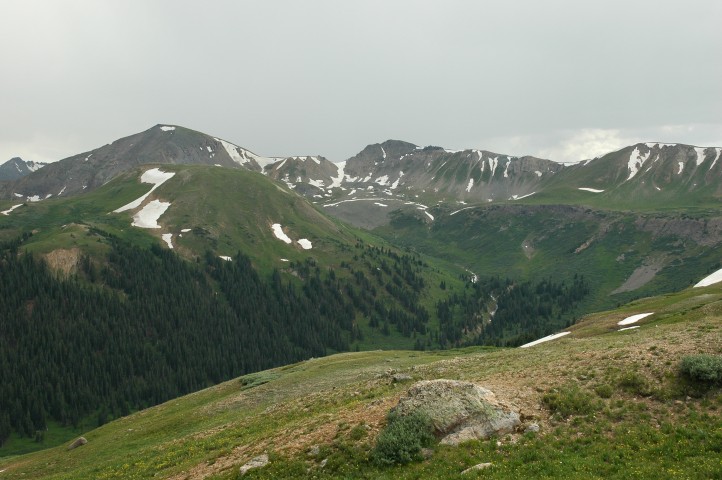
560	79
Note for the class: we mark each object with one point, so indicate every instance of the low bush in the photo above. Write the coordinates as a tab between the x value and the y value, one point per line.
604	390
702	368
635	383
402	439
570	400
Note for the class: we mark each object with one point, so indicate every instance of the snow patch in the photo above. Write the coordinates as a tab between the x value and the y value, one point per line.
538	173
233	152
278	232
154	176
224	257
19	195
636	160
305	244
316	183
357	200
593	190
166	128
719	150
383	152
396	183
380	204
471	184
628	328
429	215
461	209
700	154
383	180
517	197
493	163
167	238
681	167
506	170
336	181
148	216
8	211
34	198
634	318
185	230
711	279
545	339
660	145
61	191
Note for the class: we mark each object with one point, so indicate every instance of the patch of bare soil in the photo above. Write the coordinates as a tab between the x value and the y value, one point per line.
64	260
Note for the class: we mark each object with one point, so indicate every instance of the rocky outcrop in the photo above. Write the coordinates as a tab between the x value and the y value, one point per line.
79	442
459	411
256	462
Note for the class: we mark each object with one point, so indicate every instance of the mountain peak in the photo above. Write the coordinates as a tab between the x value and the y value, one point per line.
17	168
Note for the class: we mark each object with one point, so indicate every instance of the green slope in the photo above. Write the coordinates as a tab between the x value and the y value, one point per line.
628	413
537	241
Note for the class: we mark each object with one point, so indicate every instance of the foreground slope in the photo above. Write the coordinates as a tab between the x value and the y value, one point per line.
609	403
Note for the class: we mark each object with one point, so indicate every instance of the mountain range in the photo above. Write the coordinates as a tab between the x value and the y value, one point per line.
172	235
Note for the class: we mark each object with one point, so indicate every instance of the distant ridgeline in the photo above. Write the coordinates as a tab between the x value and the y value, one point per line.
146	326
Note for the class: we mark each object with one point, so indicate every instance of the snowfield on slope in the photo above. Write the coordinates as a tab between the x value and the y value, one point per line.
711	279
545	339
148	216
168	239
8	211
634	318
154	176
278	232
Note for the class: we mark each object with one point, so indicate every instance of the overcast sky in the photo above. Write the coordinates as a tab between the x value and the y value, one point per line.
565	80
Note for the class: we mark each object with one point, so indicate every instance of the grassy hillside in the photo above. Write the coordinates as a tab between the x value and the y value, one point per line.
665	251
610	404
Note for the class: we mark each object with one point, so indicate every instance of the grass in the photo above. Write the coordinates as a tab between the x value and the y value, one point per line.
583	390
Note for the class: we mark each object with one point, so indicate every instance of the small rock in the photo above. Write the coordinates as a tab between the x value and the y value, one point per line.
427	453
400	377
77	443
256	462
480	466
324	462
314	451
534	427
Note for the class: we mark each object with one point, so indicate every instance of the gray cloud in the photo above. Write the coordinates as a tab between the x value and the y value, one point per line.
328	77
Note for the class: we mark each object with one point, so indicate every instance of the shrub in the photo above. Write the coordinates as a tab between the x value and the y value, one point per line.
402	439
604	390
570	400
702	368
634	382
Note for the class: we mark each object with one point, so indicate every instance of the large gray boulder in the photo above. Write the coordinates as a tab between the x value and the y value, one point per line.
459	411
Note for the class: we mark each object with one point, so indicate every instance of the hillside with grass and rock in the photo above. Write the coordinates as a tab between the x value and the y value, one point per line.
605	400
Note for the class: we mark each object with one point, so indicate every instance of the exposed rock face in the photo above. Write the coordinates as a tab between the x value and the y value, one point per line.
17	168
459	411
